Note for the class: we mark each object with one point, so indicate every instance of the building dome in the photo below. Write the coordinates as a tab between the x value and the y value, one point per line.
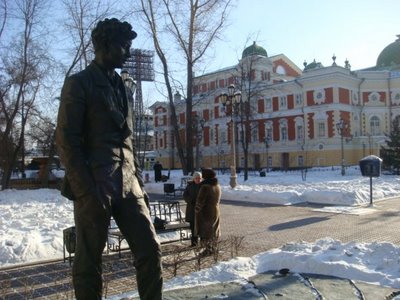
254	50
390	55
313	65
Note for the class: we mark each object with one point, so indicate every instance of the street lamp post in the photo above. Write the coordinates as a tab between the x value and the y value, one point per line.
267	143
234	99
198	127
341	126
129	83
23	174
130	87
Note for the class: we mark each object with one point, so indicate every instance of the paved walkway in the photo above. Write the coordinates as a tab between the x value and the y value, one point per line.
264	226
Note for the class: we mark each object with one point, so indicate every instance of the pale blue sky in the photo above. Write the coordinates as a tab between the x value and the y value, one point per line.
303	30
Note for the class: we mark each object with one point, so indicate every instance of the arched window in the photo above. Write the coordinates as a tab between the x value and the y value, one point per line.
268	131
374	124
280	70
223	136
283	126
299	129
284	134
282	102
320	120
254	135
268	103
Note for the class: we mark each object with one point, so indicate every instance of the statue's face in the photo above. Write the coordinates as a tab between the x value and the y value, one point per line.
117	53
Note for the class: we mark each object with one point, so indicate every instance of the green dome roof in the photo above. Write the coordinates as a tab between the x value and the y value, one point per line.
390	55
254	50
313	65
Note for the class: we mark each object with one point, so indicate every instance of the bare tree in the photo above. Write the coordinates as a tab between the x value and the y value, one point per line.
3	15
250	88
41	134
23	70
194	25
81	17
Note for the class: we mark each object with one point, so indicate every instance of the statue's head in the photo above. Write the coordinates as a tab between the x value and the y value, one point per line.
110	31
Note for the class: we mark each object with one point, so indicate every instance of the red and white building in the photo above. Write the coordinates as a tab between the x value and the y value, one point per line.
298	110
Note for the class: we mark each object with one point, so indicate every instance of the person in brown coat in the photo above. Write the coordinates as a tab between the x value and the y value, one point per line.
190	196
207	213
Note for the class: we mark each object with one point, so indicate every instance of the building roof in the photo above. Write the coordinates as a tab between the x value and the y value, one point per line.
313	65
390	55
254	50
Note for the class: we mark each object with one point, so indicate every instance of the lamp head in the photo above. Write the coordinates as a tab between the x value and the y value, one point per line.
237	97
223	98
130	84
231	90
124	75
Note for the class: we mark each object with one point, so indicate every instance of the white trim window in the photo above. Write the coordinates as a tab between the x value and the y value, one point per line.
223	136
268	104
268	131
283	130
321	129
298	99
320	121
284	134
254	135
354	97
299	132
375	126
299	129
282	102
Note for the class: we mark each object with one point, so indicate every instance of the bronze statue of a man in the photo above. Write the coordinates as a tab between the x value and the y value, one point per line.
102	174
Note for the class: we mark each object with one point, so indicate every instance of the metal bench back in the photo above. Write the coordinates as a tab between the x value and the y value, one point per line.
166	210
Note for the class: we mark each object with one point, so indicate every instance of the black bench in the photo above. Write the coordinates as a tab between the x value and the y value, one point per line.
170	211
171	191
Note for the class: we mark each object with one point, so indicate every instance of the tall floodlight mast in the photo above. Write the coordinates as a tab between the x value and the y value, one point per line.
140	67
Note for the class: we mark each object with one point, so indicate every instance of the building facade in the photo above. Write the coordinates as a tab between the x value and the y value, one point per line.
315	116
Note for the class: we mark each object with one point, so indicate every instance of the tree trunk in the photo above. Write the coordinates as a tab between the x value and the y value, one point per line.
189	123
50	159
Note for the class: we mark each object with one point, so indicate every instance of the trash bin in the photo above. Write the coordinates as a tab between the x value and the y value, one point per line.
70	239
370	166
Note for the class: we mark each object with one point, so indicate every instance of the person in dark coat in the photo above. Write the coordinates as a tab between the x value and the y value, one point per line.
157	171
207	212
102	174
190	196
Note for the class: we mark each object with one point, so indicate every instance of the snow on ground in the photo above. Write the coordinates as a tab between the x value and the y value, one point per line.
322	185
32	221
375	263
